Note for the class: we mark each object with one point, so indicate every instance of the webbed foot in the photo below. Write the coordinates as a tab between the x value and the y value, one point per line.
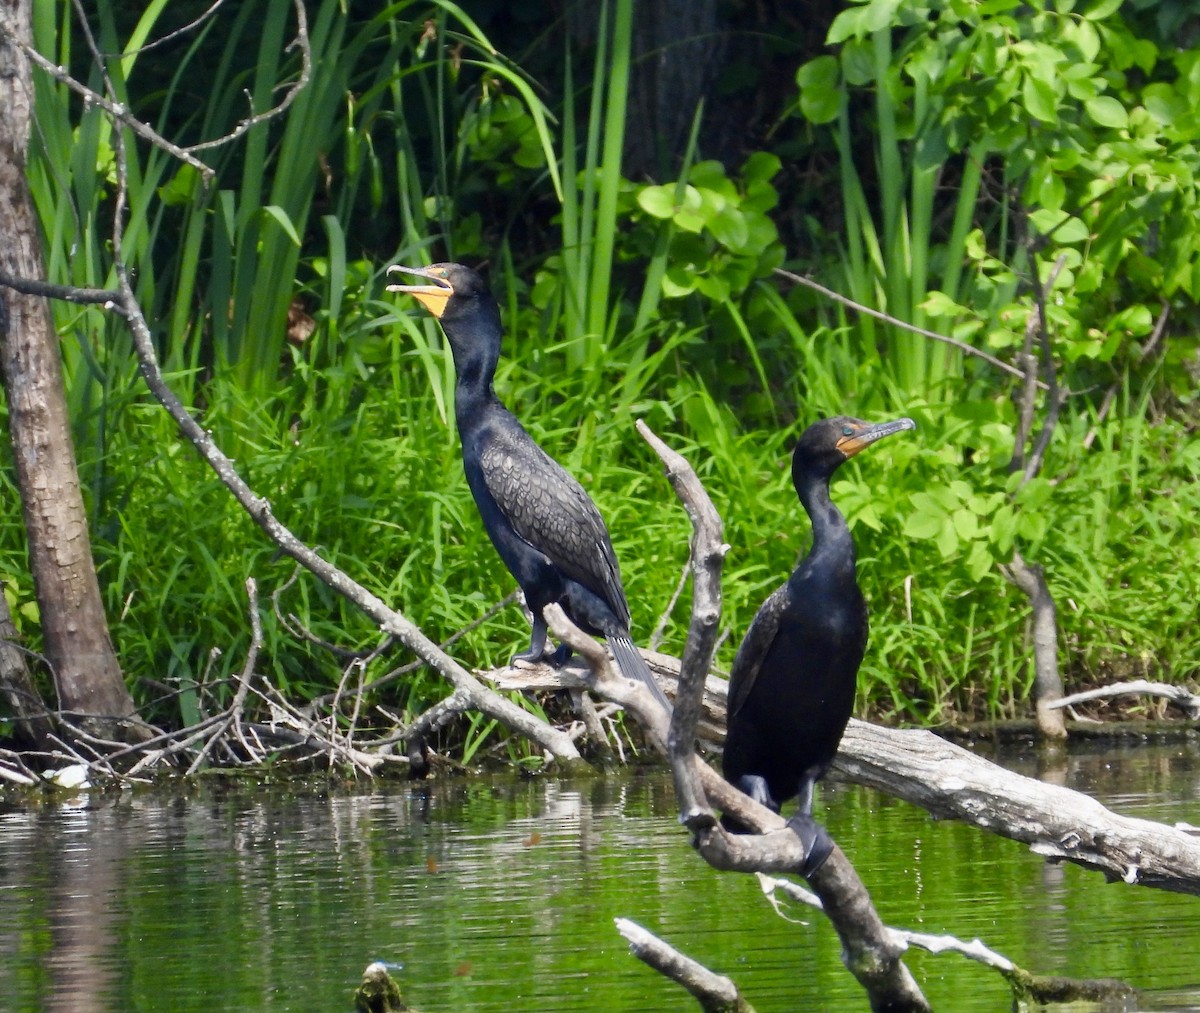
560	657
818	845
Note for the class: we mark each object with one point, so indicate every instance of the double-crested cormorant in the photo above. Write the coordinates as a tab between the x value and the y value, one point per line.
791	691
545	527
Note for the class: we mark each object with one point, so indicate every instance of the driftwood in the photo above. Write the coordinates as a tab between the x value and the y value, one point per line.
1057	823
1182	698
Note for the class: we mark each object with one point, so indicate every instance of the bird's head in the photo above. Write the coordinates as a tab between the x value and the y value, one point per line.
825	445
450	290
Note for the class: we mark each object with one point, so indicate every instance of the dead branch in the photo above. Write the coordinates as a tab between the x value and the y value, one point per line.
233	716
904	325
1057	823
714	992
1027	987
1031	581
120	113
707	553
1187	701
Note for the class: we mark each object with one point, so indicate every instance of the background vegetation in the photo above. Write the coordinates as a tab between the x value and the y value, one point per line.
930	160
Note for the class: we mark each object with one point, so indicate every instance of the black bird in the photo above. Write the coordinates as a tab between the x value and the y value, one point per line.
791	690
545	527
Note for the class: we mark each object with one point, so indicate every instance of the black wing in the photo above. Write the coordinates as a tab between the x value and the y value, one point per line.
550	510
754	649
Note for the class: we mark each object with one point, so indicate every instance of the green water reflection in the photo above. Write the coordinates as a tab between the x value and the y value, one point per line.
500	895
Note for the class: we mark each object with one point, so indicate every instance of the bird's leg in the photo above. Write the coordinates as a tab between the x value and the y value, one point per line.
756	787
815	838
537	643
560	657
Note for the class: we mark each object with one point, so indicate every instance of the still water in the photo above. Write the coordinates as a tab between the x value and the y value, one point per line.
500	895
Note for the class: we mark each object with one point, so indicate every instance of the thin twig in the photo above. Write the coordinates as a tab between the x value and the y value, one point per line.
657	635
858	307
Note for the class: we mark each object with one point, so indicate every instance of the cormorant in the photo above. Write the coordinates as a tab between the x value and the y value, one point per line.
542	523
791	691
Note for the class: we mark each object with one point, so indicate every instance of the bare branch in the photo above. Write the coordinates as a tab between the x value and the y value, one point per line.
233	716
118	112
714	992
1055	822
1189	702
114	109
1027	987
300	42
858	307
708	550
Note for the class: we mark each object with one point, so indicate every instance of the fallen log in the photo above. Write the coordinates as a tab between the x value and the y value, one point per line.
950	782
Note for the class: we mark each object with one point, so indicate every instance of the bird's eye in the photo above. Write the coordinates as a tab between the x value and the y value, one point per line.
847	430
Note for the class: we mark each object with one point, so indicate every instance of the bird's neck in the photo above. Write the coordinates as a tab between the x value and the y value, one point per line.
832	541
475	343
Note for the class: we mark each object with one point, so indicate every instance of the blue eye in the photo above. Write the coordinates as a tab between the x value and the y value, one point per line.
847	430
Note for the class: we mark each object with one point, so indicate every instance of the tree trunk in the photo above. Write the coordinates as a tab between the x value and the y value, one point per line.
1047	684
87	677
31	722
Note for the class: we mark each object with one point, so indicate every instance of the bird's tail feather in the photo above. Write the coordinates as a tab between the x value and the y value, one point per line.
633	666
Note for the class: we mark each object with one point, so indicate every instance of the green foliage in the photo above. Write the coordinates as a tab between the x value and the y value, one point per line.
1092	135
972	155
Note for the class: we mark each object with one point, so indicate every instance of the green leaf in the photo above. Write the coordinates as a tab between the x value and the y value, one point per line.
819	73
820	91
1035	493
728	227
858	62
1003	530
182	188
1102	9
934	506
979	561
760	167
285	223
966	524
1137	320
922	526
1107	112
851	22
1040	99
947	541
1059	228
938	304
658	201
678	282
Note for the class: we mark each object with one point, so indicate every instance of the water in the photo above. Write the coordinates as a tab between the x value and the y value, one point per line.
500	895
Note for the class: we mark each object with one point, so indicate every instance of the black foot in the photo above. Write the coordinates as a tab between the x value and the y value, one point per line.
537	644
560	657
818	845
